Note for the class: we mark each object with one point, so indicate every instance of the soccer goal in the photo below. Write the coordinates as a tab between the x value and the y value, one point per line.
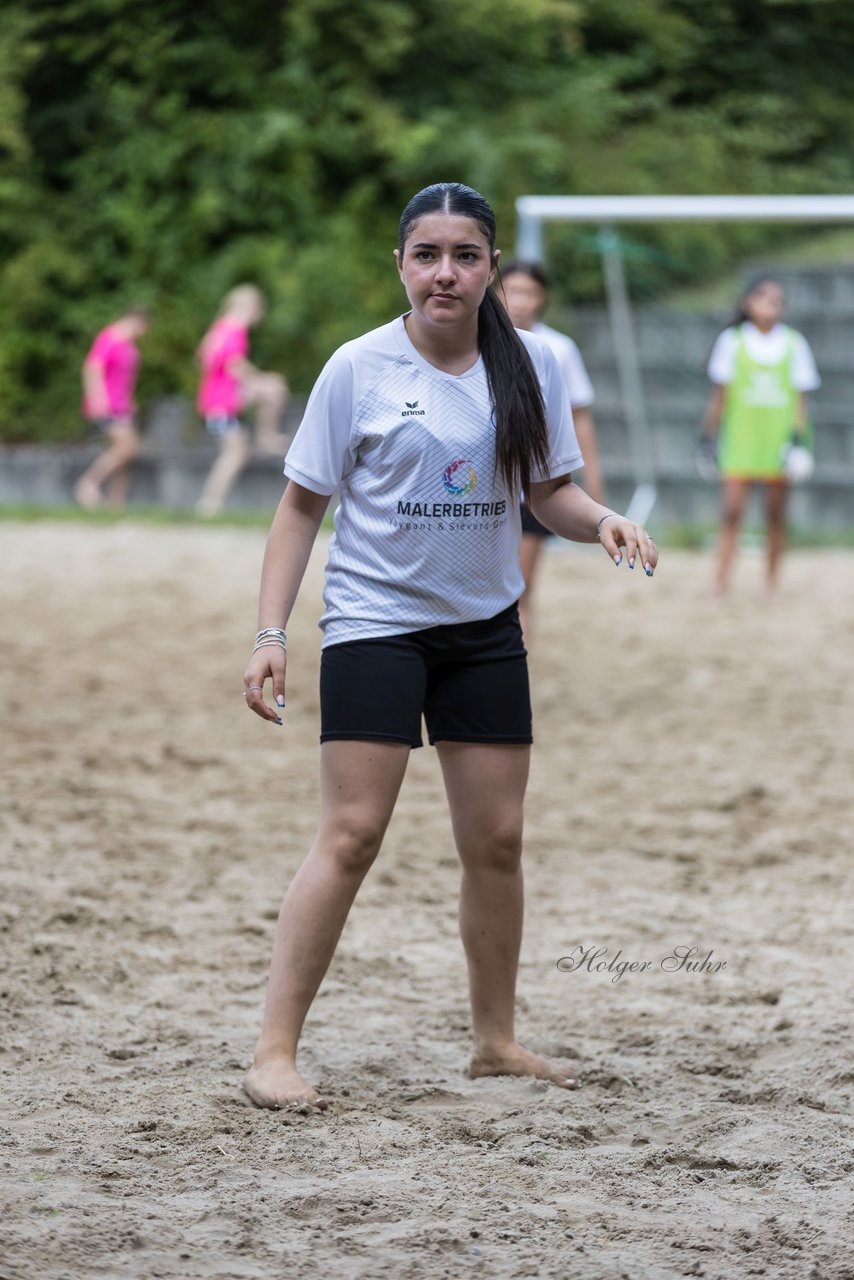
609	211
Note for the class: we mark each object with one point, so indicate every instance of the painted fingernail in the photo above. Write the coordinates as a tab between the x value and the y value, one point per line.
647	570
618	560
631	564
277	720
280	701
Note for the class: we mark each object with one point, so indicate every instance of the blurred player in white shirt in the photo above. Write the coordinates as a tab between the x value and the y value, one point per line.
525	292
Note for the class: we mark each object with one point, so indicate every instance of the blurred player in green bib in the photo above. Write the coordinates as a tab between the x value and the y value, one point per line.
756	428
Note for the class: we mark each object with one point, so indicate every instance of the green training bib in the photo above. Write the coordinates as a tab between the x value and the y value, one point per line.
759	413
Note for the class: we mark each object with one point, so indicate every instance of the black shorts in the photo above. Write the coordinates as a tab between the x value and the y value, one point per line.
468	679
530	524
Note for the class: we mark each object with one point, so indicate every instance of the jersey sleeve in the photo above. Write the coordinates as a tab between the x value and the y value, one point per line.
804	372
101	349
577	378
721	367
321	454
564	453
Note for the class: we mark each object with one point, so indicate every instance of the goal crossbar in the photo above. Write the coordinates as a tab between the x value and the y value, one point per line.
533	211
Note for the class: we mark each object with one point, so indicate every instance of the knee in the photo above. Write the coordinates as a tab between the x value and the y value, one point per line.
236	445
496	849
353	843
775	513
274	389
127	447
731	516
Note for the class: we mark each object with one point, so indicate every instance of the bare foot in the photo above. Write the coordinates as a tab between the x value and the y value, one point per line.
277	1084
87	493
514	1060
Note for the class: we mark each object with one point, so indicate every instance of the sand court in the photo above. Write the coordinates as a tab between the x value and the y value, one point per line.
690	788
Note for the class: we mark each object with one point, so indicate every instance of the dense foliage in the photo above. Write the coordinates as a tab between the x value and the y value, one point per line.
164	150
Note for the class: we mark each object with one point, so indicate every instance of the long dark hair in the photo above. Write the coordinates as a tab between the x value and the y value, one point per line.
521	431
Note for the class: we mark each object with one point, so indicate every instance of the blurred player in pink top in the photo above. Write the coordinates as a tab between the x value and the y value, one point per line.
230	384
109	380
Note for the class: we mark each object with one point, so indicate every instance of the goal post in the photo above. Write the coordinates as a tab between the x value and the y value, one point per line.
609	211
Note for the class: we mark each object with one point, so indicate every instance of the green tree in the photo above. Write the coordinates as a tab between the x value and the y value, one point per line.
165	151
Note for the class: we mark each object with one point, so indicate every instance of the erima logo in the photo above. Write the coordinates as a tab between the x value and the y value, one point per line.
412	410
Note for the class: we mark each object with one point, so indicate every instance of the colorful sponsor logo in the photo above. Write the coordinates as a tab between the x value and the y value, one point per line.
460	477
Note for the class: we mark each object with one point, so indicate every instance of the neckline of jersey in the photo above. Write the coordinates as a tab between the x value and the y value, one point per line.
776	332
415	355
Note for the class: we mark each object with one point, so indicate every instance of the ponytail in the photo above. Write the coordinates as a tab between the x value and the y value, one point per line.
521	430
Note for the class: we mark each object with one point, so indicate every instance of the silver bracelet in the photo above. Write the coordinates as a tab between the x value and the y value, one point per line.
612	515
270	636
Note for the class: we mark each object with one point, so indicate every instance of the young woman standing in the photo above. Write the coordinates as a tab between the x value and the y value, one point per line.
428	427
762	371
525	290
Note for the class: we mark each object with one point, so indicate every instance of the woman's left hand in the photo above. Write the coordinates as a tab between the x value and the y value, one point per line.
619	535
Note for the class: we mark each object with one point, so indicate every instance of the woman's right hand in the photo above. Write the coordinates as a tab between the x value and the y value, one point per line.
270	663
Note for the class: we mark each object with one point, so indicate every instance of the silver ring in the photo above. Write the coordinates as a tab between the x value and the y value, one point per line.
253	688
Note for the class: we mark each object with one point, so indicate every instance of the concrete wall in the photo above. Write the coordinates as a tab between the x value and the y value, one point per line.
175	459
673	347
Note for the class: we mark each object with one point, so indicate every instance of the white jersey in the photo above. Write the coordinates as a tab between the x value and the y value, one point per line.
425	533
765	348
571	364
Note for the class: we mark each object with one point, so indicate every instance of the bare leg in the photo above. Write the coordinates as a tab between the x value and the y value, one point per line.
591	476
118	484
486	786
776	502
734	503
269	393
118	487
360	782
113	466
529	558
232	458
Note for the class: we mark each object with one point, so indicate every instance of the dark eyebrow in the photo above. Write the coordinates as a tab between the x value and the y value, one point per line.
423	244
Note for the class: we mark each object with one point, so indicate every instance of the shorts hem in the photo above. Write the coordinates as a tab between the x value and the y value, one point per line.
748	477
491	739
222	424
363	735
